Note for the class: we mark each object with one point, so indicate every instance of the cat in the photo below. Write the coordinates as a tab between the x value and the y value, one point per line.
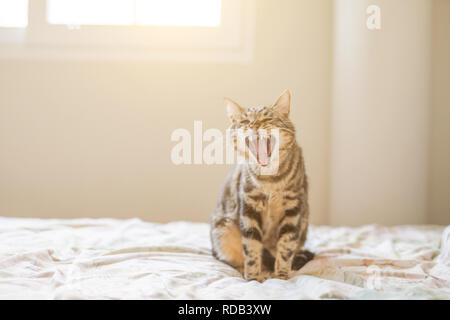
260	223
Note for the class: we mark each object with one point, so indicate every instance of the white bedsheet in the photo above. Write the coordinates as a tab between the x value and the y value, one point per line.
132	259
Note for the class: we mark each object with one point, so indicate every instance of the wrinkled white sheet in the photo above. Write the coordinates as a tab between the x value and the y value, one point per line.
132	259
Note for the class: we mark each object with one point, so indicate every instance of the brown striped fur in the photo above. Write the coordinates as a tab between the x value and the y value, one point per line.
260	223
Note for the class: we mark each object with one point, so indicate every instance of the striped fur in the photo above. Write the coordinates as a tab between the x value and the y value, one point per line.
260	223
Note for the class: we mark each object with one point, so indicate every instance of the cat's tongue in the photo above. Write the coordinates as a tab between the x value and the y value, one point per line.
260	146
263	151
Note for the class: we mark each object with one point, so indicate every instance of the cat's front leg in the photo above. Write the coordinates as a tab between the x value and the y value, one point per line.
251	243
288	237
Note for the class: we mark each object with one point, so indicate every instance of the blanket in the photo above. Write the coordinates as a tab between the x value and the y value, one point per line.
133	259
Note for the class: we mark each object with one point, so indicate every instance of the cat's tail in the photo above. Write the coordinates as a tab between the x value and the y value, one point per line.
301	258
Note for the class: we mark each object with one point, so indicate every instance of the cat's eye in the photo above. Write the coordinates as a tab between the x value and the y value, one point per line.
244	122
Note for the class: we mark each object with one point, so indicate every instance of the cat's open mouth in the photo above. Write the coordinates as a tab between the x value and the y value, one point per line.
261	146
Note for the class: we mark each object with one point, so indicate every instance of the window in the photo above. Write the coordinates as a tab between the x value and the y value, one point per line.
144	29
13	13
205	13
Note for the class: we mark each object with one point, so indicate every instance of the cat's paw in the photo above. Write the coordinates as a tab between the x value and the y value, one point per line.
260	277
281	275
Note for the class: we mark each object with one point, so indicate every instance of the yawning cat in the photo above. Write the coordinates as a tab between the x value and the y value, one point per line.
261	220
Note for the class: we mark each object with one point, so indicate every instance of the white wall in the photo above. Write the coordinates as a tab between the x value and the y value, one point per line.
439	161
380	113
92	139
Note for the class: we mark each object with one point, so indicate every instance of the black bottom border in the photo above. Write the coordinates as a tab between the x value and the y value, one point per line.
220	309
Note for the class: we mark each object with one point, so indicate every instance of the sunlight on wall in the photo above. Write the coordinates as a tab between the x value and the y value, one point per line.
14	13
135	12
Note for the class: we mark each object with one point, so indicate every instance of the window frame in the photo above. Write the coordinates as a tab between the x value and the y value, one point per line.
231	41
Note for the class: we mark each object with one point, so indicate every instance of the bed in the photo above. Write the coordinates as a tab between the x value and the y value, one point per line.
133	259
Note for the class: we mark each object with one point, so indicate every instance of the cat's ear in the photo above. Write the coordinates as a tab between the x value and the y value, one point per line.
283	104
234	111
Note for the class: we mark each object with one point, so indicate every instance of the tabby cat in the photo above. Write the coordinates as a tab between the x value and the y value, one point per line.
260	223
